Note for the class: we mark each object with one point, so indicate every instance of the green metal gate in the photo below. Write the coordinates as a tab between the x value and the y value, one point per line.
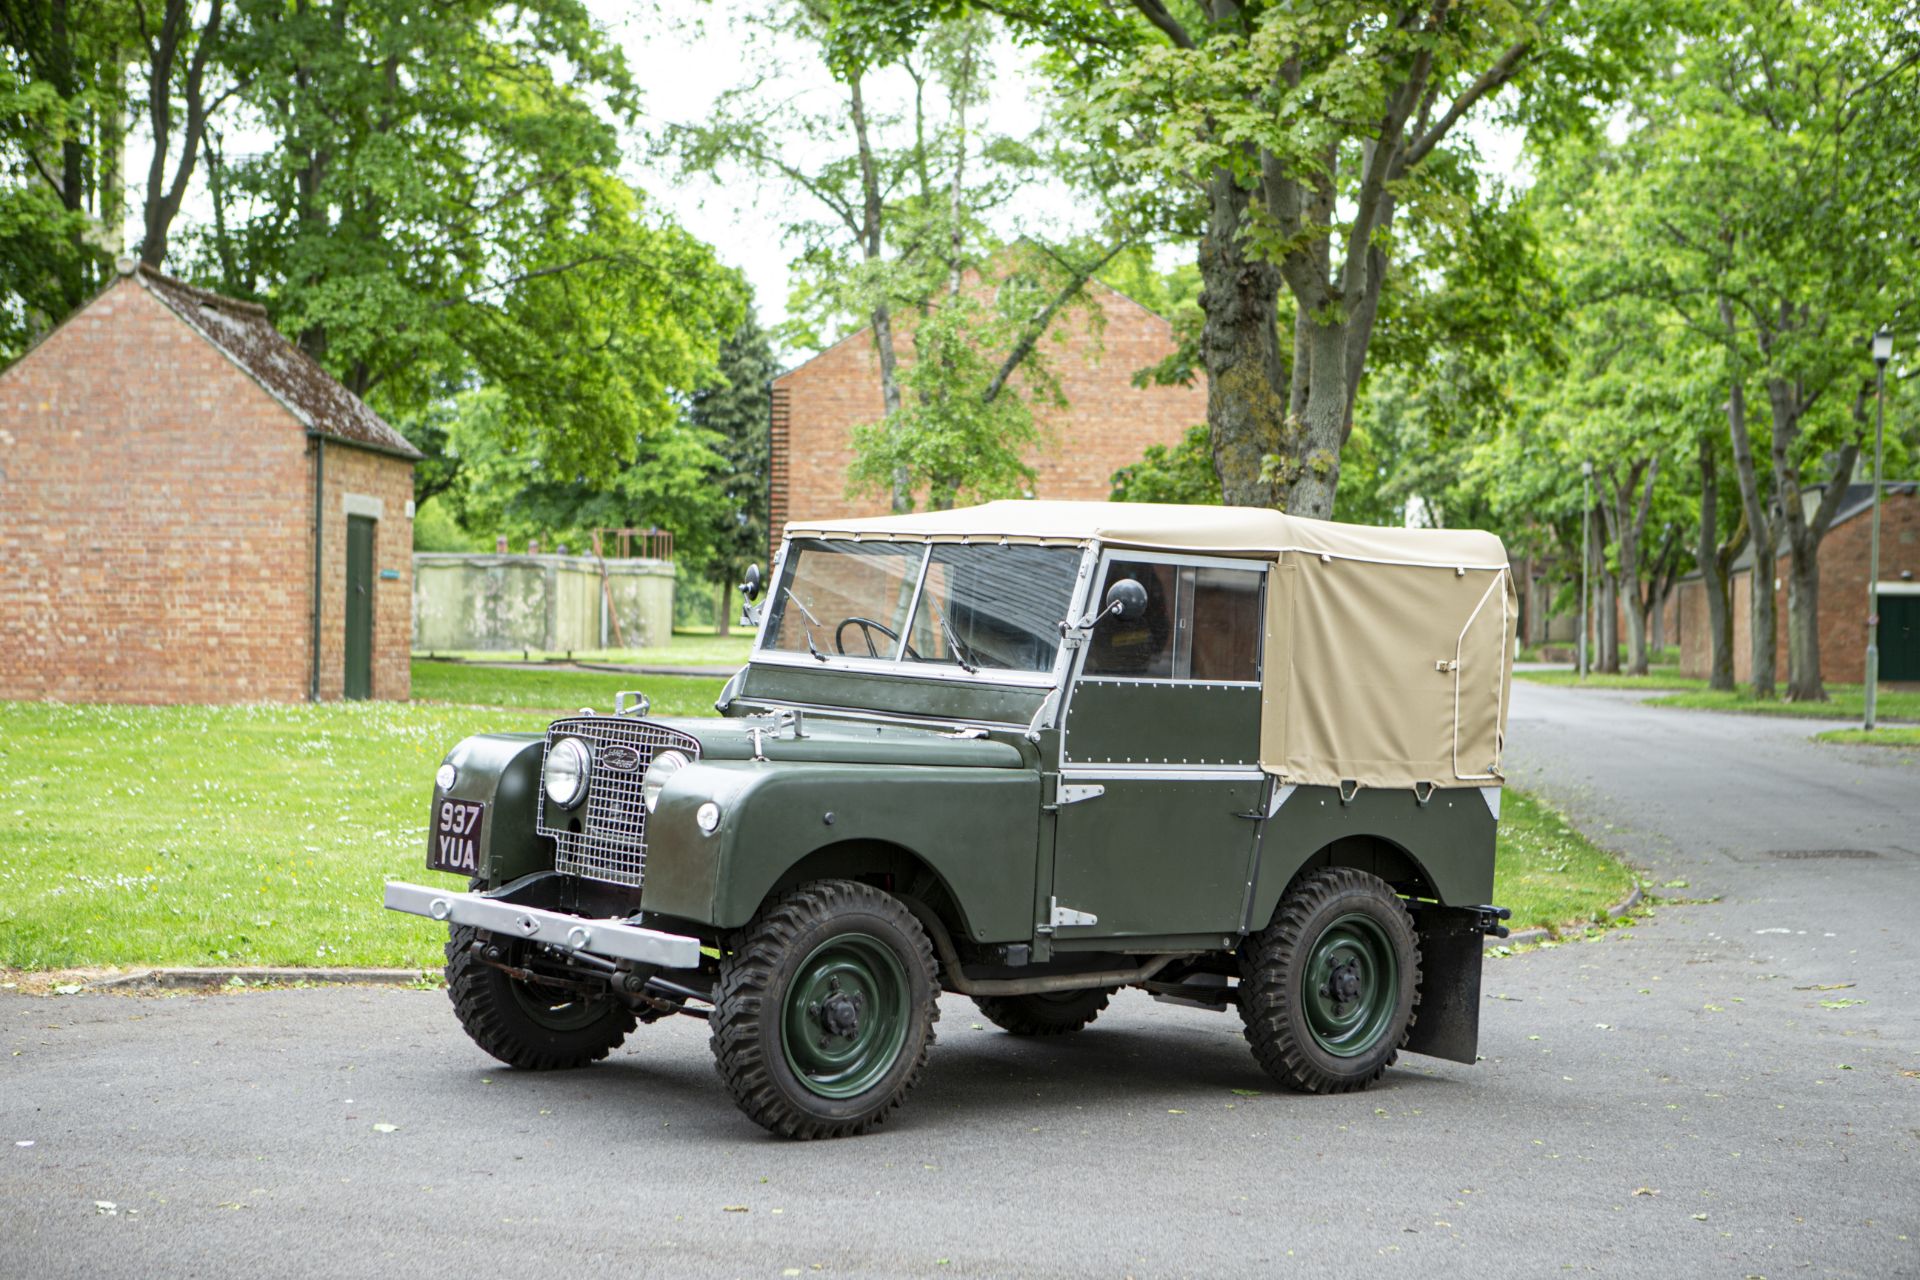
359	674
1899	637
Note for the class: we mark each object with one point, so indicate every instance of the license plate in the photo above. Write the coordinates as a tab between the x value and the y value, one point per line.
454	843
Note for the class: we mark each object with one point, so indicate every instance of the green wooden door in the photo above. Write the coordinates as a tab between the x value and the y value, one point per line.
359	674
1899	637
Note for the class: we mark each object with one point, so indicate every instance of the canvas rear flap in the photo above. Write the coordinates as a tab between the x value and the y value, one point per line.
1386	675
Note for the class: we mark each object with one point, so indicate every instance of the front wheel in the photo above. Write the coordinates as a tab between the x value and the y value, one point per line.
527	1025
1328	989
824	1010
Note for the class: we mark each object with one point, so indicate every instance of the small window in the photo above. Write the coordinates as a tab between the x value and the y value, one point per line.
1200	623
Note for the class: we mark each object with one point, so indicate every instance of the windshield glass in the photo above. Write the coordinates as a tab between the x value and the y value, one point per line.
983	607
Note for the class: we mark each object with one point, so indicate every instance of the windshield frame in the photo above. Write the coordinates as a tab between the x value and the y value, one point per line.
898	665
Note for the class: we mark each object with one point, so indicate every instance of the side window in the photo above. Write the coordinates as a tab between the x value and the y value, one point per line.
1201	623
1140	647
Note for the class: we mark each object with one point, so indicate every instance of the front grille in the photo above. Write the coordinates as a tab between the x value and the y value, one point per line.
605	837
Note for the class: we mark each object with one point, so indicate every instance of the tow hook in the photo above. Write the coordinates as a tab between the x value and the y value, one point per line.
1487	920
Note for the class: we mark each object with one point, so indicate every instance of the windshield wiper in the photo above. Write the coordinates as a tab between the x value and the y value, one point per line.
953	641
803	608
818	656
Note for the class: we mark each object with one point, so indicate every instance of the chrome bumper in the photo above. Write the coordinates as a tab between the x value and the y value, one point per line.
615	939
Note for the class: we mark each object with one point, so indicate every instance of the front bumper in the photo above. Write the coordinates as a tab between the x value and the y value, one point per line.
613	939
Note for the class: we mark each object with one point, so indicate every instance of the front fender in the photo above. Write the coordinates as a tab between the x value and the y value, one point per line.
977	828
502	771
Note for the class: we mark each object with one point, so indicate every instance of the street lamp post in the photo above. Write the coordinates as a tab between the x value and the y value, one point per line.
1882	352
1586	555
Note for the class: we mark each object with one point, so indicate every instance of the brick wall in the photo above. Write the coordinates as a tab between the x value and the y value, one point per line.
1108	422
1843	596
155	509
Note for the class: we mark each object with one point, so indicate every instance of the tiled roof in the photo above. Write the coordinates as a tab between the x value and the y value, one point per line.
311	394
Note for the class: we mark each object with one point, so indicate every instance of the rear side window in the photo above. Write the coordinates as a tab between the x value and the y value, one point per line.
1201	623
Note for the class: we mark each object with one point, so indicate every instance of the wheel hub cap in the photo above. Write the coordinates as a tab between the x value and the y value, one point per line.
845	1015
1350	986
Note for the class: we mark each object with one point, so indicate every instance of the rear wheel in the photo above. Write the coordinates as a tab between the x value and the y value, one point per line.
1328	989
529	1025
1050	1013
824	1010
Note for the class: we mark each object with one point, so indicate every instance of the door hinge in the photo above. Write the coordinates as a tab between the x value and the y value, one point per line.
1058	916
1075	792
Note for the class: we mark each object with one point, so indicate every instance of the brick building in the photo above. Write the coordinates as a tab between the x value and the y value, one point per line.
160	456
1108	422
1843	596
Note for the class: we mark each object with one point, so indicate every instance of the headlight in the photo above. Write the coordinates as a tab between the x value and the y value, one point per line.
664	766
568	764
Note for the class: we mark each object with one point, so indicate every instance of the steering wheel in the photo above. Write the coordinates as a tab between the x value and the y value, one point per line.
867	627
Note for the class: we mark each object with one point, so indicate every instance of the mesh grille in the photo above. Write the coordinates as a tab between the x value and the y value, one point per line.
606	837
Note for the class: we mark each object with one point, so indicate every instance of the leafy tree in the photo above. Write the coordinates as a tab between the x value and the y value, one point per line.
1305	136
1180	472
1777	253
440	210
734	413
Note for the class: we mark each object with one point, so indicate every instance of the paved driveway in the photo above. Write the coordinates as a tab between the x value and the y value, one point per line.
1673	1100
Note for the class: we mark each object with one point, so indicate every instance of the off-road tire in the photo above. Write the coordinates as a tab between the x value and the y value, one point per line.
498	1012
760	966
1272	992
1052	1013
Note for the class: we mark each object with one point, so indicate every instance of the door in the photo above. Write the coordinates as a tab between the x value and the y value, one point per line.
1160	791
359	673
1899	637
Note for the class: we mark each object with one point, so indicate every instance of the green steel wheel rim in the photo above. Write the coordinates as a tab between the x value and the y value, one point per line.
1350	986
844	1020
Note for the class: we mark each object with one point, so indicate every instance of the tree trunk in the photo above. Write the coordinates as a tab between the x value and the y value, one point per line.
1239	344
1316	461
1716	558
872	244
723	621
1763	624
1657	623
1803	625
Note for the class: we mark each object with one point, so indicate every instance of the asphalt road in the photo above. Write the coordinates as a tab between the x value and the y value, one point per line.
1676	1099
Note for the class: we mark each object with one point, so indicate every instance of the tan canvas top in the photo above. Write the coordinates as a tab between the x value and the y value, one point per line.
1389	652
1238	531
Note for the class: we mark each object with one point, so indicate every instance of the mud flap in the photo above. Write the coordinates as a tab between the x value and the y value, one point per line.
1451	942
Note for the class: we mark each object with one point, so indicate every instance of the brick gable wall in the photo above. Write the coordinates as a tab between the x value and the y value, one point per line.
1843	597
155	516
1107	424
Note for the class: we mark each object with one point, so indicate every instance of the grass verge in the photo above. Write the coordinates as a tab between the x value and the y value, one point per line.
1656	678
260	835
1881	736
1844	702
1547	872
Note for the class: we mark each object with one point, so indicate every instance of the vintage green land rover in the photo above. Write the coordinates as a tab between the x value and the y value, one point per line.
1030	753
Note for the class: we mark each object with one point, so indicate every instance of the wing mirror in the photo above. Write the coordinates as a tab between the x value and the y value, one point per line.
751	587
1126	599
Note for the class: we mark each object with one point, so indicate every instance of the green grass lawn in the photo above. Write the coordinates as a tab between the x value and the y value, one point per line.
260	835
1882	736
558	689
686	649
